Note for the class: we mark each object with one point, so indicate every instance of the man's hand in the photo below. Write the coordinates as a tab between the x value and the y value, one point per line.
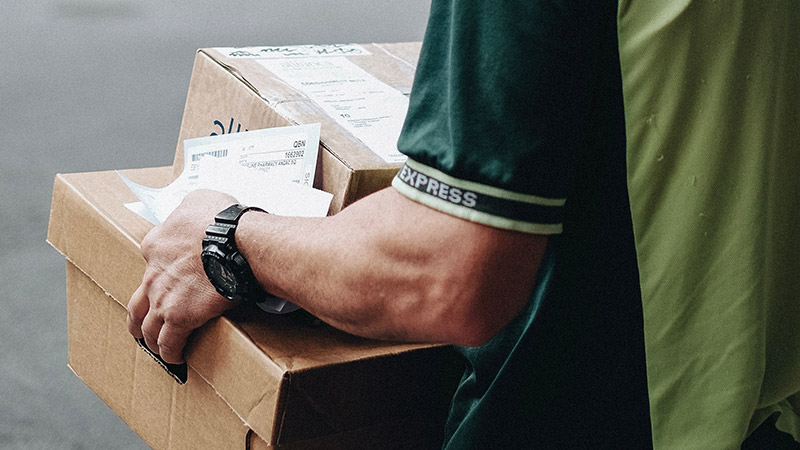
175	296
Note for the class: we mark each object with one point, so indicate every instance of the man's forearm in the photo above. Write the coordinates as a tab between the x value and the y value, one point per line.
387	267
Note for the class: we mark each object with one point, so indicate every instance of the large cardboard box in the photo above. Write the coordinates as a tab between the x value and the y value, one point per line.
234	90
253	380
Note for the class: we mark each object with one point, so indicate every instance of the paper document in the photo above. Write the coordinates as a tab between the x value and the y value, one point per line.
271	168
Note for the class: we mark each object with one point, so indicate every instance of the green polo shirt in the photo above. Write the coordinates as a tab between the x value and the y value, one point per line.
516	121
657	143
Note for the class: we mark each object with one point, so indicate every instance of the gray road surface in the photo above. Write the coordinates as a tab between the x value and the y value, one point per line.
100	84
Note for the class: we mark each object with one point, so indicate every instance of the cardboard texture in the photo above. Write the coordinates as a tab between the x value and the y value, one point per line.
236	94
254	380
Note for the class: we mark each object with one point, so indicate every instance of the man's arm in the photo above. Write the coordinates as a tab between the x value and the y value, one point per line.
390	268
385	267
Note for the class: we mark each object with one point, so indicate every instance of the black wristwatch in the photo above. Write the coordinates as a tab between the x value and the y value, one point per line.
225	266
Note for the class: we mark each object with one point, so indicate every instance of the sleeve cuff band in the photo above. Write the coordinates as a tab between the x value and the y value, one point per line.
480	203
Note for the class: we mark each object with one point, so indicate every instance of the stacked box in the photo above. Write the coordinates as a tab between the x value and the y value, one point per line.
251	379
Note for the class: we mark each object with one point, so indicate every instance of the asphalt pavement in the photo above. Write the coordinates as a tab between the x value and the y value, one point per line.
90	85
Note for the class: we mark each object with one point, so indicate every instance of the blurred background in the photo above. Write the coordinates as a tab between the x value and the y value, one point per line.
91	85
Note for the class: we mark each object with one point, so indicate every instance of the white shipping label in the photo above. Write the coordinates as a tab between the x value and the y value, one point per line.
366	107
285	153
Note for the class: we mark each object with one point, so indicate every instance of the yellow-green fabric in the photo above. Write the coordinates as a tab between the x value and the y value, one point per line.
712	109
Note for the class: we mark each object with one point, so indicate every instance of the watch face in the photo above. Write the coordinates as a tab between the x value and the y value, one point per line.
223	279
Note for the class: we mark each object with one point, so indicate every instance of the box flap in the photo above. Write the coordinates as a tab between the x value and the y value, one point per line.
82	209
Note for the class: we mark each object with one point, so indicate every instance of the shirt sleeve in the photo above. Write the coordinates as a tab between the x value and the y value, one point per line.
499	110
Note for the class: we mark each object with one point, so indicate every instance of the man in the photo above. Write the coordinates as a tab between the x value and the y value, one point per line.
510	233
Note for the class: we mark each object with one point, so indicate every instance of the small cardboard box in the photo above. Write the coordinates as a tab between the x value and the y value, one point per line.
235	90
253	380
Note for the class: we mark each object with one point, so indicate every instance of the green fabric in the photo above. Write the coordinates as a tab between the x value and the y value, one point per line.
520	103
502	93
788	418
518	100
712	105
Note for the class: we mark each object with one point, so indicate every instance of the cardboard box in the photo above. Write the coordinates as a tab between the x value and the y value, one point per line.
237	93
253	380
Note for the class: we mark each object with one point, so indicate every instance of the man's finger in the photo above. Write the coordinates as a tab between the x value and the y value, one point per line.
151	328
171	342
138	306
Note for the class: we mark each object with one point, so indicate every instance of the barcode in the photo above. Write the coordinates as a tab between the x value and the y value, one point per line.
214	153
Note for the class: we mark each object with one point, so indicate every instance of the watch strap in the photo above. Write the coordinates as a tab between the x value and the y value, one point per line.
233	213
